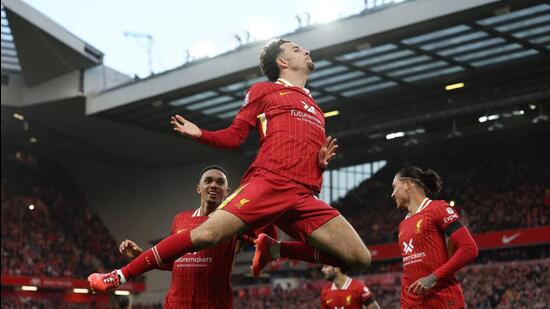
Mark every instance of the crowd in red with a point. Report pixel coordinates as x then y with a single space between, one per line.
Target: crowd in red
507 285
17 302
516 284
504 285
47 227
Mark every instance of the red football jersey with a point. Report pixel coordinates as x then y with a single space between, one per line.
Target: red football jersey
424 249
352 295
201 279
292 130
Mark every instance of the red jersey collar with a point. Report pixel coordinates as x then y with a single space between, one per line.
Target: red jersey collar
345 286
289 84
425 202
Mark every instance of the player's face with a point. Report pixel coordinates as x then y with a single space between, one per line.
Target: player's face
400 192
296 57
213 187
328 272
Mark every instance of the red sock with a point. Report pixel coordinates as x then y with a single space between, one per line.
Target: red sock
296 250
167 250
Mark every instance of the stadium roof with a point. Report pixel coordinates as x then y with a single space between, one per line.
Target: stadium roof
383 70
411 44
10 62
40 48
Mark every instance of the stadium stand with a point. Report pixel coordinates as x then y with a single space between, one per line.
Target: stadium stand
16 302
517 284
502 187
61 229
49 232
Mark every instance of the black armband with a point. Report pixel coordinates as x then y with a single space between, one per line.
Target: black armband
453 227
369 301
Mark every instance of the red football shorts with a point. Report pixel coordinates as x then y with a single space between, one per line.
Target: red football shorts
265 198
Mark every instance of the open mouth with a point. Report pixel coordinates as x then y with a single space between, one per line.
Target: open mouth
213 194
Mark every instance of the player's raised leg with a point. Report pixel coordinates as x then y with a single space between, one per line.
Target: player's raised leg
334 243
220 226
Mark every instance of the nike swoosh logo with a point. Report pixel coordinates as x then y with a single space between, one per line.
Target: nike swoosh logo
507 239
284 93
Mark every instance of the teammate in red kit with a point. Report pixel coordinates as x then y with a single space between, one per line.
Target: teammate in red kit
344 292
190 286
280 185
434 242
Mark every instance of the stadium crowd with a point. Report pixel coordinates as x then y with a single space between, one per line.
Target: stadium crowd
505 188
306 296
518 284
14 302
47 228
507 285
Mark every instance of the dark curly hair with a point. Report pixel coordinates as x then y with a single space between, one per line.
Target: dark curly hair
429 180
268 58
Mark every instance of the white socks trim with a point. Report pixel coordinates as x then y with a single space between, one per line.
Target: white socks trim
121 276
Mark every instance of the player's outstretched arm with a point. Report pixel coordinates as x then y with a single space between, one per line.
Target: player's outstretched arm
230 137
372 305
327 152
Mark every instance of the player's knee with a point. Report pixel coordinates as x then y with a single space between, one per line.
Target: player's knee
360 260
205 238
366 258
